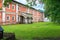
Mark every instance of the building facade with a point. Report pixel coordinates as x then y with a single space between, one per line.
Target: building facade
16 12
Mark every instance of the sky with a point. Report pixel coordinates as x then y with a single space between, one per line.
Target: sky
38 6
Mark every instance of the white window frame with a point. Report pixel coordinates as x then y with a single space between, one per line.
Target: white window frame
13 6
28 10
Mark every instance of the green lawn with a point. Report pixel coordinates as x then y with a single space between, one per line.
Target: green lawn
28 31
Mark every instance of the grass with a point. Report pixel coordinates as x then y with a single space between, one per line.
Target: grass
28 31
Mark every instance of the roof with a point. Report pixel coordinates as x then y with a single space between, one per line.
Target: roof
26 6
41 11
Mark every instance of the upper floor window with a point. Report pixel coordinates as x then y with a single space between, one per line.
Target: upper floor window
8 6
7 18
13 6
19 7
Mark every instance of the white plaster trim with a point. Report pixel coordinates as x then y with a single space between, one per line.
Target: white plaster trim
17 13
3 13
16 8
3 16
25 20
16 17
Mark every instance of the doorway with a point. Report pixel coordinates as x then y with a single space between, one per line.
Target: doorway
22 19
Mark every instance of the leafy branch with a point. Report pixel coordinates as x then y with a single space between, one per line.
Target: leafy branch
6 2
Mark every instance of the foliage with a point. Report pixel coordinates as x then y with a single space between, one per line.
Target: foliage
52 10
6 2
31 2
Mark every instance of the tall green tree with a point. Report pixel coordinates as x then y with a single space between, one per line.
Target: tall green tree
52 9
6 2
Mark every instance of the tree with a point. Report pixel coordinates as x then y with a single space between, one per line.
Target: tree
52 9
6 2
32 2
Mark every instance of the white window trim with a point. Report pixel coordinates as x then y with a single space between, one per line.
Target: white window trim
28 10
14 6
9 18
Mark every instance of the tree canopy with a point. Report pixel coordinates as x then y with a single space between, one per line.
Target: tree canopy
6 2
52 10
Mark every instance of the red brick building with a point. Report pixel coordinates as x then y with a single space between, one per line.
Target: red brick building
17 12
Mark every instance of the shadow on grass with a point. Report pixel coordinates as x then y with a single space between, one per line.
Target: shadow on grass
48 38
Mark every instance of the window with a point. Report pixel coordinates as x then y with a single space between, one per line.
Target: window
13 6
8 6
28 10
18 8
13 18
8 18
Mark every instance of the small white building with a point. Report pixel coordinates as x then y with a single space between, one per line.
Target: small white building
46 20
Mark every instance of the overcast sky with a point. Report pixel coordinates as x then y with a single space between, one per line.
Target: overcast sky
39 6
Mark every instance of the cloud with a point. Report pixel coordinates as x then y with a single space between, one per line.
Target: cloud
22 1
39 6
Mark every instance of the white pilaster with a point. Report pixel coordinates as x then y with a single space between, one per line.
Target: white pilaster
33 16
3 15
19 19
16 12
3 1
25 20
43 16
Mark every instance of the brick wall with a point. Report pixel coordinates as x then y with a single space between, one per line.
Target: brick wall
10 21
22 8
10 8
